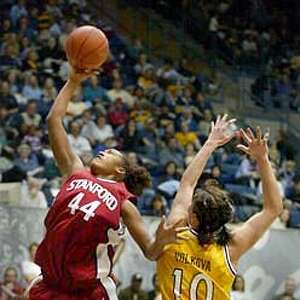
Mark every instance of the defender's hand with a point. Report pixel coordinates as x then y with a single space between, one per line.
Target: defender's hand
220 131
255 146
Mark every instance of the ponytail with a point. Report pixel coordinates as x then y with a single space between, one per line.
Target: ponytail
136 179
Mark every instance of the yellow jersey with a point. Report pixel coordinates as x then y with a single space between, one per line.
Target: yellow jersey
188 271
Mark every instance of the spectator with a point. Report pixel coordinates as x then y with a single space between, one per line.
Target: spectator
76 107
154 294
130 138
78 142
33 138
30 117
190 153
142 64
99 132
94 91
119 92
10 288
7 99
289 289
9 60
246 172
32 91
158 206
118 114
30 269
239 290
184 136
32 195
134 291
17 11
282 222
26 160
171 151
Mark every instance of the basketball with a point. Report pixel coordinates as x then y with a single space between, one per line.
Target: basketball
86 47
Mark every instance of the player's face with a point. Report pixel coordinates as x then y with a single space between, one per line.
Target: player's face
108 163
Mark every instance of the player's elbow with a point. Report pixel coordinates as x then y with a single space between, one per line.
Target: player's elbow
275 210
52 119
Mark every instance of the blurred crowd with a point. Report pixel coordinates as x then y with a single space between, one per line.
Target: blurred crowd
158 114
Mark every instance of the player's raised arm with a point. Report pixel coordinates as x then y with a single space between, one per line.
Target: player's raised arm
247 235
218 136
66 159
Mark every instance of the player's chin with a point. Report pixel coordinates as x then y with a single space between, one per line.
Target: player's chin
95 166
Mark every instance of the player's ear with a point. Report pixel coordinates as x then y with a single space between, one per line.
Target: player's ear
121 170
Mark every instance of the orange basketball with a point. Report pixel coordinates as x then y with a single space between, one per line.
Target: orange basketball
86 47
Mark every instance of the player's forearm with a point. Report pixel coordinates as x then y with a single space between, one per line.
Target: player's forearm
155 248
194 170
62 100
271 193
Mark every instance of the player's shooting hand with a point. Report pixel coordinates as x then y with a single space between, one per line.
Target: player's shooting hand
78 75
167 233
255 145
221 132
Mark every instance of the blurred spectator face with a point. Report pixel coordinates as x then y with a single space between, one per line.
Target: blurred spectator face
285 216
10 51
118 84
94 81
12 77
143 58
87 115
207 115
157 203
239 284
190 149
31 108
131 126
25 42
6 24
52 43
187 92
200 97
151 124
24 151
297 187
136 283
172 144
290 286
10 276
216 172
75 129
4 88
3 112
33 81
23 23
132 158
32 250
49 83
171 168
184 128
32 55
101 121
285 297
170 128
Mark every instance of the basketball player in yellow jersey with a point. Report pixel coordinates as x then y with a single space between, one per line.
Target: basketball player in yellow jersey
201 265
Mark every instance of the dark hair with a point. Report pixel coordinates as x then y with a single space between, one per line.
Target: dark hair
136 178
213 209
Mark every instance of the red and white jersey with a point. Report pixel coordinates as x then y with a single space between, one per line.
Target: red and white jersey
82 228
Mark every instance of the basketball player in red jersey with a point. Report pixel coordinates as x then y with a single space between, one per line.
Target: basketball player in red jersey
83 225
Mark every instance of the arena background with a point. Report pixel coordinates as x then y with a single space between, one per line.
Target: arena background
247 65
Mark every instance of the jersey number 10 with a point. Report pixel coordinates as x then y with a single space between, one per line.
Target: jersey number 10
178 274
